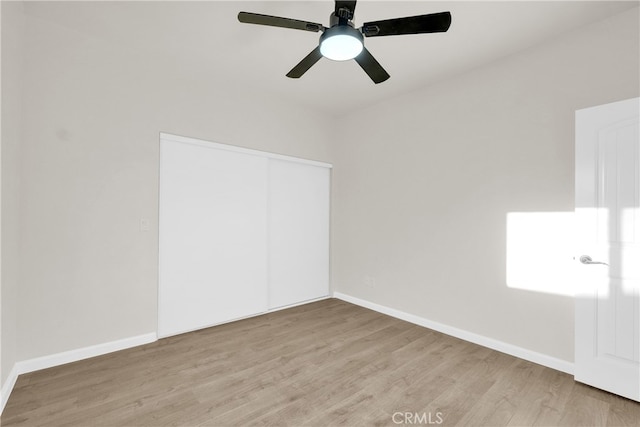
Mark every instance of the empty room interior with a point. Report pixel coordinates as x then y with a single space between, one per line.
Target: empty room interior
320 213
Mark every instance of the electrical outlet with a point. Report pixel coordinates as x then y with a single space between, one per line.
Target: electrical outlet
369 282
145 224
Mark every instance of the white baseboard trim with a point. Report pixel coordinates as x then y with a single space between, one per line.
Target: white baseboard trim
309 301
7 387
513 350
57 359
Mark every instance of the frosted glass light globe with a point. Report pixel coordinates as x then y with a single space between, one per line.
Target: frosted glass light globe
341 47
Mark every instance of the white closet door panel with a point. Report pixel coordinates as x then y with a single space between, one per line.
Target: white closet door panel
213 229
298 232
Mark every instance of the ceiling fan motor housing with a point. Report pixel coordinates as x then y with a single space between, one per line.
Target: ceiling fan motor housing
344 17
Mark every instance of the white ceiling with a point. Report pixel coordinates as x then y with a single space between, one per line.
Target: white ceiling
207 39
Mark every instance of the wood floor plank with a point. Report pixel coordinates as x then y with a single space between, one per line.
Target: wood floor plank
328 363
549 397
623 412
584 410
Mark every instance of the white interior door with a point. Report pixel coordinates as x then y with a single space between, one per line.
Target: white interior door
213 233
298 232
607 316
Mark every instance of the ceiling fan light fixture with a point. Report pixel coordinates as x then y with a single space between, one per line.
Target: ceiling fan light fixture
341 43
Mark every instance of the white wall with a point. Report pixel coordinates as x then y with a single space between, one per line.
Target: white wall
423 183
12 38
90 172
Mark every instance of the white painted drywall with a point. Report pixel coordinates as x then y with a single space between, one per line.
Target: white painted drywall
12 53
423 184
93 112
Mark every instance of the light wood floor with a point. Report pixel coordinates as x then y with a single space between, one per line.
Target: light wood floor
326 363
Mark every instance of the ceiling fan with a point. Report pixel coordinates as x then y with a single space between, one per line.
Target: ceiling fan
342 41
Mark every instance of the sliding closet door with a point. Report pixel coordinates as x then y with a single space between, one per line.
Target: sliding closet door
213 234
298 232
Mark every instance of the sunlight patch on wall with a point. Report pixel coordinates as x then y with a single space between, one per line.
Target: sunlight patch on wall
540 252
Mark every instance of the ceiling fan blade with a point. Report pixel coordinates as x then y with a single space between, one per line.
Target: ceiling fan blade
304 65
432 23
275 21
350 5
371 66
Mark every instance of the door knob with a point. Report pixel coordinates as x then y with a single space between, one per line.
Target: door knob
586 259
